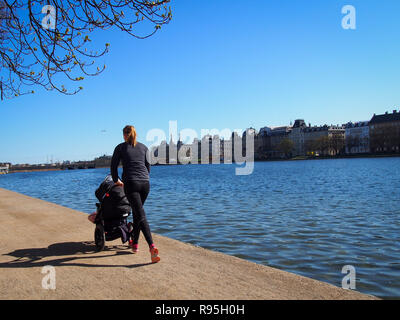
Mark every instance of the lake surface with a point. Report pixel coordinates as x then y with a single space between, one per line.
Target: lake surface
306 217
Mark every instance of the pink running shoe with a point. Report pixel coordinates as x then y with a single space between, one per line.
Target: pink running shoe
135 247
92 217
154 255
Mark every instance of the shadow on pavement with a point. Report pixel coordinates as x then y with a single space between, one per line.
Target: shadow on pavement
71 251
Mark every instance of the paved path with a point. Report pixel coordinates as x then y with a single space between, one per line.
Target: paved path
36 233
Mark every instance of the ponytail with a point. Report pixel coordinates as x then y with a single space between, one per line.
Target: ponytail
130 132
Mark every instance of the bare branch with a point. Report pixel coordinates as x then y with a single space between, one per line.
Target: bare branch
47 43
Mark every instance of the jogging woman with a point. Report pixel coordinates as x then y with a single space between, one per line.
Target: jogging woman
136 183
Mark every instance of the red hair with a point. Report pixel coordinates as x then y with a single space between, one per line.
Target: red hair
130 132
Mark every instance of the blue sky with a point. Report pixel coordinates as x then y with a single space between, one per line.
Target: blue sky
219 64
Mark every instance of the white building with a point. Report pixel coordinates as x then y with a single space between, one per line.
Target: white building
4 168
357 137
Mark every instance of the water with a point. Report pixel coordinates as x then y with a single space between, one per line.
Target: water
306 217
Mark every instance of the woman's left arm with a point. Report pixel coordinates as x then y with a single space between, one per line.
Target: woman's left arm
146 160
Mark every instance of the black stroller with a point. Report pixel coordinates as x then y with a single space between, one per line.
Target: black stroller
112 213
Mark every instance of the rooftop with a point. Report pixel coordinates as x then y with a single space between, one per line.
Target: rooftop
357 124
387 117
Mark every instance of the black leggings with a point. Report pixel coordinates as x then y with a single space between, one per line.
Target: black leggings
137 192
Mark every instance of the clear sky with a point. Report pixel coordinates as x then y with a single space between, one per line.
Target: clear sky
219 64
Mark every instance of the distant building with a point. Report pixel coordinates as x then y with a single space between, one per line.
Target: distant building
172 154
380 134
276 136
159 154
103 161
226 148
357 137
196 151
185 153
246 150
384 132
263 143
4 167
296 135
324 140
206 149
235 138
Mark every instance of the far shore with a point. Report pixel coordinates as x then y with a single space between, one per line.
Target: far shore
34 170
299 158
43 170
355 156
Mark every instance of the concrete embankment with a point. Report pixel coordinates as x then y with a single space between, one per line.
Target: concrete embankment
36 233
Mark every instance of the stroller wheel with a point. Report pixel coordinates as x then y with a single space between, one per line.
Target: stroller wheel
99 237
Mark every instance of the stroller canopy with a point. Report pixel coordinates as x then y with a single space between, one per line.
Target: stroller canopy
114 203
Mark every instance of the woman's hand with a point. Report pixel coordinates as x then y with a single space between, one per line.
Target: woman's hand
119 183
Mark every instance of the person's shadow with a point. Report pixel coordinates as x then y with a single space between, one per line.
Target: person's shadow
64 254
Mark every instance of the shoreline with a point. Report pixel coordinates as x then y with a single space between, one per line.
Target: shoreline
358 156
63 238
34 170
299 158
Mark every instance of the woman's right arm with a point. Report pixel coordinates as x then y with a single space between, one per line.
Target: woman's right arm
115 160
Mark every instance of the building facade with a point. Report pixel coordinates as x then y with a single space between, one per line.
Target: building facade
277 136
324 140
380 134
357 137
4 167
384 133
296 135
263 145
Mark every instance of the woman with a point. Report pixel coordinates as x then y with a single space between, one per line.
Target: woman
136 183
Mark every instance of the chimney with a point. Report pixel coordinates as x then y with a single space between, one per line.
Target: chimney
386 112
394 111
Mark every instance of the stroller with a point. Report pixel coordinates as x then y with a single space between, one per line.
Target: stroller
111 215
